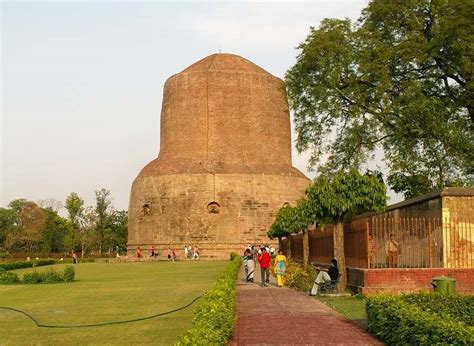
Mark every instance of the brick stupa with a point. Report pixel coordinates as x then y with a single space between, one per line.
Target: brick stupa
224 166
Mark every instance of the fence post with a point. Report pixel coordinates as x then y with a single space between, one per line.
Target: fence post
367 241
430 246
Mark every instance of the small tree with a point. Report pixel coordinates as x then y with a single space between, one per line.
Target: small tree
340 196
103 212
54 231
280 228
75 208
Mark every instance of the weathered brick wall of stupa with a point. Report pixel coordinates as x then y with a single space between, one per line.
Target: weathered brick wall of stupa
224 167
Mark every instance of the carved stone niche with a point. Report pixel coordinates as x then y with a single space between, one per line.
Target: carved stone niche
146 209
213 208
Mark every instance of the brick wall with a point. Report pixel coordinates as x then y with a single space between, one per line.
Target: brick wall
397 281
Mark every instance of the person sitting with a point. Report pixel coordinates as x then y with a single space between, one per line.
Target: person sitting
325 276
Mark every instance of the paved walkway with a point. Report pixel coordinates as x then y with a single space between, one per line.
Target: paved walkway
283 316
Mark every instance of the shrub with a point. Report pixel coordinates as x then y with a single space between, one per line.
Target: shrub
299 277
9 278
214 319
69 274
4 254
460 308
396 321
32 278
51 276
26 264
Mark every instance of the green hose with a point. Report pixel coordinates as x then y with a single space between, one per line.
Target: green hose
39 324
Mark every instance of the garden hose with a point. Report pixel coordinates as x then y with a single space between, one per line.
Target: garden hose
38 324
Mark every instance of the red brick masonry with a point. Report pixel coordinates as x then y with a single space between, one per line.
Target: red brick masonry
406 280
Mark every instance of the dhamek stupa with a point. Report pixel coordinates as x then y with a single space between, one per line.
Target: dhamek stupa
224 166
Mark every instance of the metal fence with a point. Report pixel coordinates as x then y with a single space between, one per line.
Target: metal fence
321 245
381 242
384 242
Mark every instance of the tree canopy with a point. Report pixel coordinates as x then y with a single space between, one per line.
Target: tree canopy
344 194
399 80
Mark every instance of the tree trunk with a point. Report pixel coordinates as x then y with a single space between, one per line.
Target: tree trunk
289 245
305 248
279 243
338 238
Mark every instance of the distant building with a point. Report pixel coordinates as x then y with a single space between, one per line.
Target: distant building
224 166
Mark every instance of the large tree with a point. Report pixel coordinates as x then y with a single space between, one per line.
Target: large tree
337 197
400 80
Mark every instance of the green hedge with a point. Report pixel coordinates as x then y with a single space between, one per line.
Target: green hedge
396 321
9 278
298 276
460 308
214 318
48 277
26 264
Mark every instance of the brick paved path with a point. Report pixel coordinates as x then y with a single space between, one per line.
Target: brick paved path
282 316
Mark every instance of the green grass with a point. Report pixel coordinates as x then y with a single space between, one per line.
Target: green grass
105 292
353 308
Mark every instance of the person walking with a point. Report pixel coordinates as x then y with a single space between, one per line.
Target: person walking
280 268
139 252
264 261
186 250
391 250
249 265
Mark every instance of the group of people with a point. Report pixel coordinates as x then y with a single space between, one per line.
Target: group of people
263 255
191 252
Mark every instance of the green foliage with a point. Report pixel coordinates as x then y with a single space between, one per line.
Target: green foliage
69 274
26 264
400 80
288 220
4 253
119 230
49 276
9 278
214 318
460 308
32 278
396 321
54 231
344 194
299 277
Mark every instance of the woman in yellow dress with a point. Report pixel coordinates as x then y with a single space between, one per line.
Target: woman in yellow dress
280 267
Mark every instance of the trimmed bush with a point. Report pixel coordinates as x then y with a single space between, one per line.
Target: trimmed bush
460 308
50 276
9 278
299 277
69 274
32 278
26 264
398 322
214 318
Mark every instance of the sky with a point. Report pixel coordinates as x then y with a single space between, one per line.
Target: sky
82 82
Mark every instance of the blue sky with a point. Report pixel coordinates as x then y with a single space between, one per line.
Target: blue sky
82 81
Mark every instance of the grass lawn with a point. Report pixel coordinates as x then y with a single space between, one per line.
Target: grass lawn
105 292
353 308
